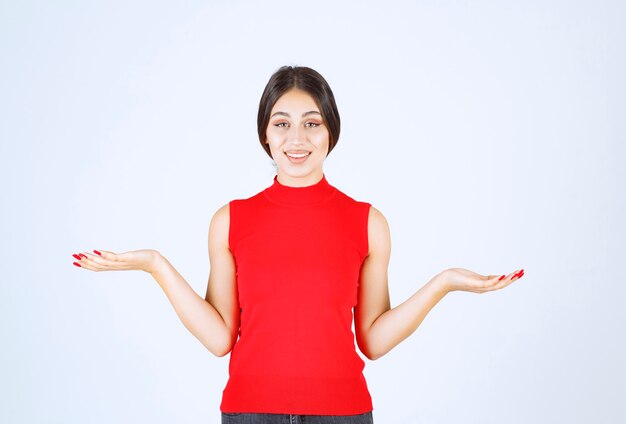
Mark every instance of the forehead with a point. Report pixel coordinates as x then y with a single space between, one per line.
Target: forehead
295 99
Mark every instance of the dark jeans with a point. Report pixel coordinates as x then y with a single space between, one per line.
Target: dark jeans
257 418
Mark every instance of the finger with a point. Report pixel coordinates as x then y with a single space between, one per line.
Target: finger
107 254
94 262
497 281
514 276
80 260
85 260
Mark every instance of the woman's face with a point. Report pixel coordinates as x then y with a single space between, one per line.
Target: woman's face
296 127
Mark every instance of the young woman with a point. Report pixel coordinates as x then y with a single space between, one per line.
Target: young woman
288 266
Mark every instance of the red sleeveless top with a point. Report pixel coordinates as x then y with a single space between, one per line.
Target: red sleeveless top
298 254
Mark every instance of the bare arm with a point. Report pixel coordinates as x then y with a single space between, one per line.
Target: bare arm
379 328
213 320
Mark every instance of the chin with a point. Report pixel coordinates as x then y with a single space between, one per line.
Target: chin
303 169
297 173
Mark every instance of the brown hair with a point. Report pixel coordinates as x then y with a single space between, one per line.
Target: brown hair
306 79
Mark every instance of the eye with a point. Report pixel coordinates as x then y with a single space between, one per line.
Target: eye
312 124
281 124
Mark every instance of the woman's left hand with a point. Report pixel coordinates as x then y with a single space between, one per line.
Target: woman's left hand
465 280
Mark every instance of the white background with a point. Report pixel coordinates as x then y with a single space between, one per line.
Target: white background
490 135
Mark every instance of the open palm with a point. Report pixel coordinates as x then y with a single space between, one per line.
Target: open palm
140 260
465 280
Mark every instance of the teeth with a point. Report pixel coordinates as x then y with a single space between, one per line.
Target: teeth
298 155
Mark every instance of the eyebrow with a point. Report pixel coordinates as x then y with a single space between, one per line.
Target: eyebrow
287 115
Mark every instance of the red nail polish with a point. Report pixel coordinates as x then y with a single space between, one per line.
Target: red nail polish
76 256
97 253
84 256
500 279
77 264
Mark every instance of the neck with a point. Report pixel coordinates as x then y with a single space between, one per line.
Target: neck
306 195
303 181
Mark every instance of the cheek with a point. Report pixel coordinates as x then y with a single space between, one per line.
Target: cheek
273 143
274 135
322 138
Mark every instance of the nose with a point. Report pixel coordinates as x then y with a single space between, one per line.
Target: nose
296 136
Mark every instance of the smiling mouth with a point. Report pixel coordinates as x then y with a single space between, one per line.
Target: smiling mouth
297 155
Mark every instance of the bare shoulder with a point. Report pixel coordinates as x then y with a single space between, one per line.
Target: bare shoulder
379 236
376 216
223 213
219 226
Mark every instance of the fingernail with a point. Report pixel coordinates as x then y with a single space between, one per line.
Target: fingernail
97 253
76 256
83 255
499 279
77 264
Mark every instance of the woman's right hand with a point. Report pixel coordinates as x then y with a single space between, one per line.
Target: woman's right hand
140 260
